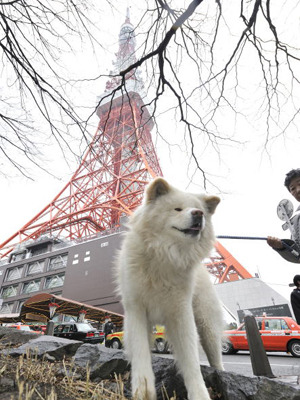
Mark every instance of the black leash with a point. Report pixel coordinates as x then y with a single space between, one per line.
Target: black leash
293 251
241 237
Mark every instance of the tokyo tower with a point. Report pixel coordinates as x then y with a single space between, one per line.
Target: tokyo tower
112 175
118 164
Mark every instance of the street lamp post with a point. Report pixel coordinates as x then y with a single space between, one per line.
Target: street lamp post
50 324
81 315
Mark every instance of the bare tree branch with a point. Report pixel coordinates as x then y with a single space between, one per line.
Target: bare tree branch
199 63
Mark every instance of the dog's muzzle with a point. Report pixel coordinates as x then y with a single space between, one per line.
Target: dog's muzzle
196 226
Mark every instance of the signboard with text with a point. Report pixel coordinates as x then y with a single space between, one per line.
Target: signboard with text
277 310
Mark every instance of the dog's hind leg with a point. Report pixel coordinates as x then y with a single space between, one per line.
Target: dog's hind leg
182 334
209 320
136 340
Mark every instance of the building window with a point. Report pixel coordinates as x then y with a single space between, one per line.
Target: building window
58 262
6 308
35 251
18 256
36 267
19 306
14 273
54 281
9 291
32 286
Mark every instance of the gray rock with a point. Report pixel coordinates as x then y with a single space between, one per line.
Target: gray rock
53 346
237 387
95 355
224 385
103 362
110 368
167 379
11 336
108 354
229 386
88 355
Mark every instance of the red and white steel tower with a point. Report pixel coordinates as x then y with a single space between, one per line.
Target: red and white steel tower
118 164
112 175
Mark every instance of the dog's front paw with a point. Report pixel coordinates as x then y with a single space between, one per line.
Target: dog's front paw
144 394
143 390
220 367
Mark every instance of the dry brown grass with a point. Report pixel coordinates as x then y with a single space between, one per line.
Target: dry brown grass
29 378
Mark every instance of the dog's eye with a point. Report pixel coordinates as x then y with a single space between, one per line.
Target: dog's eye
178 209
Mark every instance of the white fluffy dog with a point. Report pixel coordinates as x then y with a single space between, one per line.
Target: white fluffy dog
162 281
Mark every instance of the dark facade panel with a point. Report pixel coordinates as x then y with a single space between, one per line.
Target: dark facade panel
89 273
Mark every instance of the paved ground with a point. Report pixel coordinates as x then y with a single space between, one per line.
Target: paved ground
284 366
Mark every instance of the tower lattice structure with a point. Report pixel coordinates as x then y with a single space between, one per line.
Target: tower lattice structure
224 266
112 175
110 180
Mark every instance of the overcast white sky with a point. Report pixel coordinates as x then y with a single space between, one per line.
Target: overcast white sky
250 183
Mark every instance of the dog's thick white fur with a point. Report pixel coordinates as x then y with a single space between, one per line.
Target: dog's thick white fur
162 281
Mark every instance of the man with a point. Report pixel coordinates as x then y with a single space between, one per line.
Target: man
292 183
108 326
295 298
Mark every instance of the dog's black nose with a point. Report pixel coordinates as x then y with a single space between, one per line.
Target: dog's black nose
197 216
197 212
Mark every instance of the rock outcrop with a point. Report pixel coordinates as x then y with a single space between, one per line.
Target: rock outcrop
104 363
55 347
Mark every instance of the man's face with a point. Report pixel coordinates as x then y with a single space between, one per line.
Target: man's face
295 188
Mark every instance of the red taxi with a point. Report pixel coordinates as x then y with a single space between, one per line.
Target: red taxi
23 327
277 334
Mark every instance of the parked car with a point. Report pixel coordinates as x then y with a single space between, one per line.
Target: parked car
79 331
277 333
159 342
114 340
37 328
23 327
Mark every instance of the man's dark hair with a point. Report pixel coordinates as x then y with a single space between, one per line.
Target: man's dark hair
296 279
294 173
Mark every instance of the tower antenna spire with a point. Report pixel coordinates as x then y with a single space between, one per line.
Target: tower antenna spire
127 20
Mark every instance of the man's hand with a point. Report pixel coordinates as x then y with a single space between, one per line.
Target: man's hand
275 243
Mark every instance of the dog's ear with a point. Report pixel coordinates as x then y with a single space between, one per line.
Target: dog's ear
211 203
158 187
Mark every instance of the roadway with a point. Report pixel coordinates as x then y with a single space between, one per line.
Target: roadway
282 364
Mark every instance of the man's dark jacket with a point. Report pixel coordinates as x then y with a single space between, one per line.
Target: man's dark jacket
108 328
295 301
